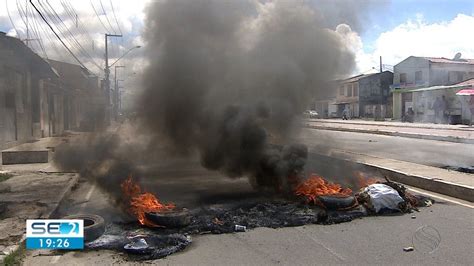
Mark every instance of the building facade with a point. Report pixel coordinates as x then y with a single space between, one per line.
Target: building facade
422 72
21 75
365 95
375 98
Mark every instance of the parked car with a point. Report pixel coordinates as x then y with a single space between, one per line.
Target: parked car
311 114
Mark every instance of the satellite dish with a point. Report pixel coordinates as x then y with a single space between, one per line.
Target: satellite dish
457 57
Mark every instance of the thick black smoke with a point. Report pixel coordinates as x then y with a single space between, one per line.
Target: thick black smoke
227 79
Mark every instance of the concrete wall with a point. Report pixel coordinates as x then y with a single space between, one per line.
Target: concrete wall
433 73
409 67
447 73
397 105
15 105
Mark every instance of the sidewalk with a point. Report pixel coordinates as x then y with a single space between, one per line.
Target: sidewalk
31 191
446 182
451 133
29 195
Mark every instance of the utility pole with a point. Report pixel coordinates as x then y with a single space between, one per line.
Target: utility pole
27 26
380 64
116 94
107 74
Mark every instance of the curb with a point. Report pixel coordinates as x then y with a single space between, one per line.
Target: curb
74 181
439 186
456 190
396 134
409 125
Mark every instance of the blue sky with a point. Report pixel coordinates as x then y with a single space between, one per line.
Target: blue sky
393 29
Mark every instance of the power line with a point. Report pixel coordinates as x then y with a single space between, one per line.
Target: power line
115 17
106 17
73 14
97 14
59 38
36 32
75 42
11 20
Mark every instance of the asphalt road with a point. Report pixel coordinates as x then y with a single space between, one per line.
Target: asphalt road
370 240
426 152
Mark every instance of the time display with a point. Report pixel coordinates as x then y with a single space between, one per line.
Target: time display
55 243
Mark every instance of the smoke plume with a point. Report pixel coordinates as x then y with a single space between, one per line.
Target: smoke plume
226 80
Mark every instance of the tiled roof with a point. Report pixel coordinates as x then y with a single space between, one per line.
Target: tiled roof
450 61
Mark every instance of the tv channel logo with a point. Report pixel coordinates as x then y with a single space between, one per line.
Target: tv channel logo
54 234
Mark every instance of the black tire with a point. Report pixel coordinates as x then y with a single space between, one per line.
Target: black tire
172 219
337 203
94 225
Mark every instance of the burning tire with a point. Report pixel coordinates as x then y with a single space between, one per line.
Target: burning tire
337 203
171 219
94 225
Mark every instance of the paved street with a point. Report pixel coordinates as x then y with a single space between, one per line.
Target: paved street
371 240
427 152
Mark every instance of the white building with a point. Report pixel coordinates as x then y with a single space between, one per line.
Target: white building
415 72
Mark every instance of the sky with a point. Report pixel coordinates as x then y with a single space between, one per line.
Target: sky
392 29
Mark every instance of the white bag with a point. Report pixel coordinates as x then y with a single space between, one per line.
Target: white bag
383 197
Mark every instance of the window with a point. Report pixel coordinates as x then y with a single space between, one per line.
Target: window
349 90
355 89
341 90
418 76
403 78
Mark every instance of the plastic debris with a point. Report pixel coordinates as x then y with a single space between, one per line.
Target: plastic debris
240 228
408 249
136 244
383 197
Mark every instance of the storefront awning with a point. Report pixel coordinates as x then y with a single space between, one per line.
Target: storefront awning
465 92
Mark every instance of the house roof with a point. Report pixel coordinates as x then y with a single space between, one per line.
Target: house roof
72 75
37 64
469 83
361 76
450 61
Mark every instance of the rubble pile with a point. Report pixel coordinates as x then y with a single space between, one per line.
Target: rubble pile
167 231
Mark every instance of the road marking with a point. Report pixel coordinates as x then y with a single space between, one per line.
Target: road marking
89 194
334 253
442 198
55 259
88 197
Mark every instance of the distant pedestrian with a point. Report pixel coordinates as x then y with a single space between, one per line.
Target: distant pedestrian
345 113
409 116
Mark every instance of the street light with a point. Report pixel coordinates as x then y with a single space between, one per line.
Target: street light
128 51
107 72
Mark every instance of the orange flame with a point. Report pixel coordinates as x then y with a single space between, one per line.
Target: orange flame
141 203
363 180
316 186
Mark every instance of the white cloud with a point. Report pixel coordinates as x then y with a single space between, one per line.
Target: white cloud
419 38
130 16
